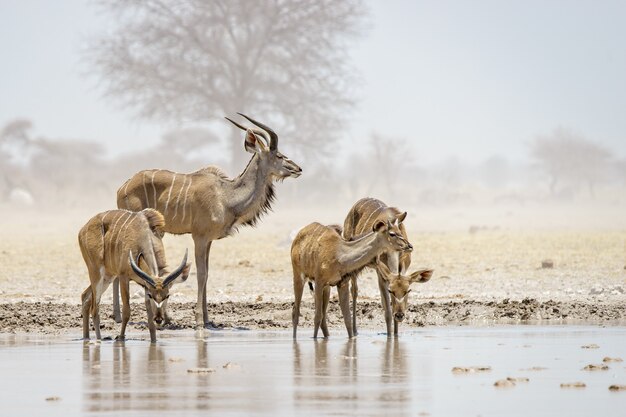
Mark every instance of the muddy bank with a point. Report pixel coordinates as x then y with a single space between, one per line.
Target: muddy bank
55 318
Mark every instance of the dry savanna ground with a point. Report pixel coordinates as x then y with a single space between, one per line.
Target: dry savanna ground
482 275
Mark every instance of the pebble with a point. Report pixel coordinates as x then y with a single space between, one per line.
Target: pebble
200 370
592 367
607 359
573 385
518 379
504 383
547 264
53 399
470 370
591 346
231 365
596 291
617 388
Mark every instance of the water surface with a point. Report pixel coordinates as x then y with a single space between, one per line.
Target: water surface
270 374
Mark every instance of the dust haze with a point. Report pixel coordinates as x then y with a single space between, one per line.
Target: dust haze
298 70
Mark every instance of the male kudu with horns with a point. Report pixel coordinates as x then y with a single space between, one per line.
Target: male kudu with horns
207 203
114 244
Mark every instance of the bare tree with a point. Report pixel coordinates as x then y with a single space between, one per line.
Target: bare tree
567 158
15 145
382 168
68 172
280 60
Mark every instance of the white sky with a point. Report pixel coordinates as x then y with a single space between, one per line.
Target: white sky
469 79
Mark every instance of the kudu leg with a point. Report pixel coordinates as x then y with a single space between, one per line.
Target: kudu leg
298 289
354 289
319 308
325 300
124 284
151 323
116 300
95 312
202 247
86 308
344 303
385 301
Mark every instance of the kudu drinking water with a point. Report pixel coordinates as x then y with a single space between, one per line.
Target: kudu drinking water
127 245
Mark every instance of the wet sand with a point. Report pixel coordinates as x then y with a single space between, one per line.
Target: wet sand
266 373
55 318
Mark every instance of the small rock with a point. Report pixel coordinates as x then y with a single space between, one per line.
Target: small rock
53 399
245 263
200 370
547 264
231 365
470 370
573 385
591 346
596 290
259 298
592 367
617 388
607 359
504 383
518 379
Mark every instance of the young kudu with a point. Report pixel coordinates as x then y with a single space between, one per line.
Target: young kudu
209 205
362 216
320 254
399 290
113 243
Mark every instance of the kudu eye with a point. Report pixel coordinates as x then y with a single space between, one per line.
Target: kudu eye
392 234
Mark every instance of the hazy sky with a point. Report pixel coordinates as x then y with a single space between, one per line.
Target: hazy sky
470 79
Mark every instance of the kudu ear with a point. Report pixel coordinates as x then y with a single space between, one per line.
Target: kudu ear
423 275
253 143
400 217
379 226
384 269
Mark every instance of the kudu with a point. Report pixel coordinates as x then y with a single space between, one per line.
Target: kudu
320 254
399 290
365 213
209 205
127 245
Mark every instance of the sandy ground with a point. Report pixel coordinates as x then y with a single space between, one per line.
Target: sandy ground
482 275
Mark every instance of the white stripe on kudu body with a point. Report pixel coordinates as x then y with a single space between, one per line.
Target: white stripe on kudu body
169 193
179 194
154 190
185 201
145 190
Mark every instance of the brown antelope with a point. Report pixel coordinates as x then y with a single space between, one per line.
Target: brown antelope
321 255
365 213
127 245
208 204
399 290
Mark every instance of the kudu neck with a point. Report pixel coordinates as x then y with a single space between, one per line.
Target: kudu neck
357 253
249 191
